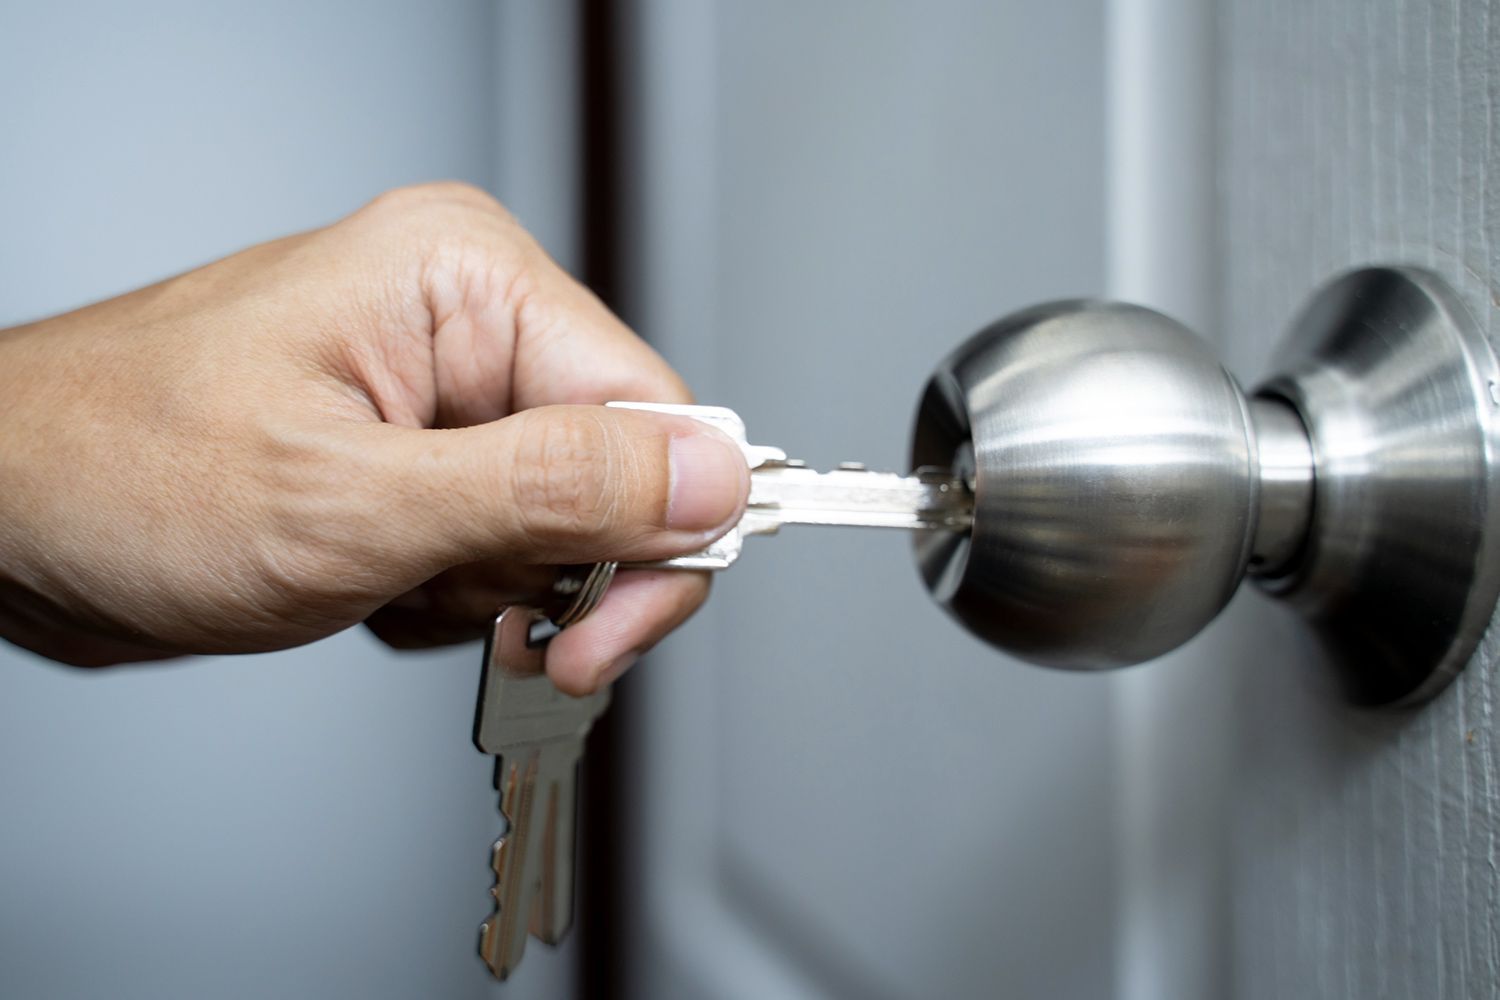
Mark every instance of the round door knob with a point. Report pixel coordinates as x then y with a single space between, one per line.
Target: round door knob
1124 485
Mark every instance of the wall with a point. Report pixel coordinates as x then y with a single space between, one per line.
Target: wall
1364 845
307 824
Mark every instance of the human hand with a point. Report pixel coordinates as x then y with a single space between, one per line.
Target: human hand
390 420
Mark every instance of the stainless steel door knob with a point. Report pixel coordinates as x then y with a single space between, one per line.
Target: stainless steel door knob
1124 485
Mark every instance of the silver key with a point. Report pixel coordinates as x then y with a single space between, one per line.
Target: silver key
537 734
786 491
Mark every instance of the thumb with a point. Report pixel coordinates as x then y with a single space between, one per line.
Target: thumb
563 484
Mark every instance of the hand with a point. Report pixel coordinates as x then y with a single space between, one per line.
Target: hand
391 420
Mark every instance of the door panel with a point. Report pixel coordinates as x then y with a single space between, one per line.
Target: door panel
843 794
1364 846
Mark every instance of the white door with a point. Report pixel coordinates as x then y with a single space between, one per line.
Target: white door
839 793
842 794
1364 846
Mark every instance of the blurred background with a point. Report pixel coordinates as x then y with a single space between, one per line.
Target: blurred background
821 787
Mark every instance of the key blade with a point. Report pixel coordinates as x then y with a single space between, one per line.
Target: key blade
552 911
785 491
537 733
533 861
790 493
502 938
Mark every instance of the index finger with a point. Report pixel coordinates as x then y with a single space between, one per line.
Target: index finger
570 348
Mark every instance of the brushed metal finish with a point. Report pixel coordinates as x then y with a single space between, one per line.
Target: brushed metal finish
1123 485
1114 484
1286 485
785 491
1397 389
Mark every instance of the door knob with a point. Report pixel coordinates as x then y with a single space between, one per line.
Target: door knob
1124 485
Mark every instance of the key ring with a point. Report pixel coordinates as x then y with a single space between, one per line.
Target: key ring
586 586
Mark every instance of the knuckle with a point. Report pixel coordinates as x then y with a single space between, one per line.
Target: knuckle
433 196
471 251
441 215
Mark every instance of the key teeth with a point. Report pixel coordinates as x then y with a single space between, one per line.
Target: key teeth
503 957
530 802
537 735
497 962
501 962
502 940
501 952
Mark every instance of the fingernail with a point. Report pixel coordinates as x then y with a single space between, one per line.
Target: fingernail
618 666
708 481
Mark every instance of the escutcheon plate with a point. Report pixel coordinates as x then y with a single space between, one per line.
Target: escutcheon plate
1397 388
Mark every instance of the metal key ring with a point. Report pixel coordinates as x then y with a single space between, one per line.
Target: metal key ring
588 590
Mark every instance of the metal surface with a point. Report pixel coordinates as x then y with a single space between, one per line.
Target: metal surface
852 496
785 491
585 586
1398 392
1286 485
1114 484
1123 485
537 733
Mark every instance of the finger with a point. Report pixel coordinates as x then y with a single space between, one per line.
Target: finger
512 330
477 321
571 349
556 484
458 605
641 607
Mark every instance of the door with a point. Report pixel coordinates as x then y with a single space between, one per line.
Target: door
1363 845
838 793
841 793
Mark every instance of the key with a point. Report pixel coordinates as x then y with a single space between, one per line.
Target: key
785 491
537 734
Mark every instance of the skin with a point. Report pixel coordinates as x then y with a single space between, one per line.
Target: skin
392 420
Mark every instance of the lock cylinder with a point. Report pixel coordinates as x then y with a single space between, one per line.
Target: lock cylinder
1114 484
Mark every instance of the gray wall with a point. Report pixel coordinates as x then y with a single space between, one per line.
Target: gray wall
307 824
1365 845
